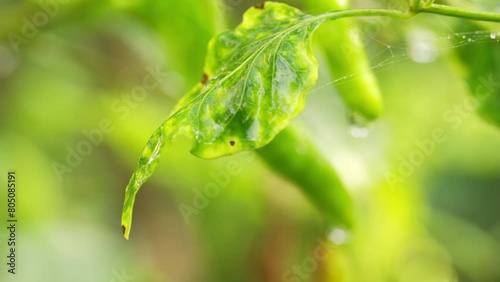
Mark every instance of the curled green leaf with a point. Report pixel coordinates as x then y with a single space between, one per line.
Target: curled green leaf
256 79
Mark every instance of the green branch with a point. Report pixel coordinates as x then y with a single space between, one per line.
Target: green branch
460 13
334 15
421 8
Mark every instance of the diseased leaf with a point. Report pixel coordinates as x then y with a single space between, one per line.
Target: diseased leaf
257 77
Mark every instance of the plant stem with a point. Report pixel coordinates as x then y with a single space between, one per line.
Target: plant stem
460 13
431 9
364 13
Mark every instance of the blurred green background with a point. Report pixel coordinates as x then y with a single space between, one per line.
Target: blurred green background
68 68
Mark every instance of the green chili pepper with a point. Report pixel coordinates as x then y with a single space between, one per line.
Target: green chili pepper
295 157
344 50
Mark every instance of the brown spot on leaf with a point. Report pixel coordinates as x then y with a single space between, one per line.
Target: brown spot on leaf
232 142
259 6
123 229
204 79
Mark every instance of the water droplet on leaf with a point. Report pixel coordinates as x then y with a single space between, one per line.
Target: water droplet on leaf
339 236
359 126
359 132
197 134
422 47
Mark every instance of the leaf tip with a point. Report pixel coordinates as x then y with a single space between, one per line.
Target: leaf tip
125 232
